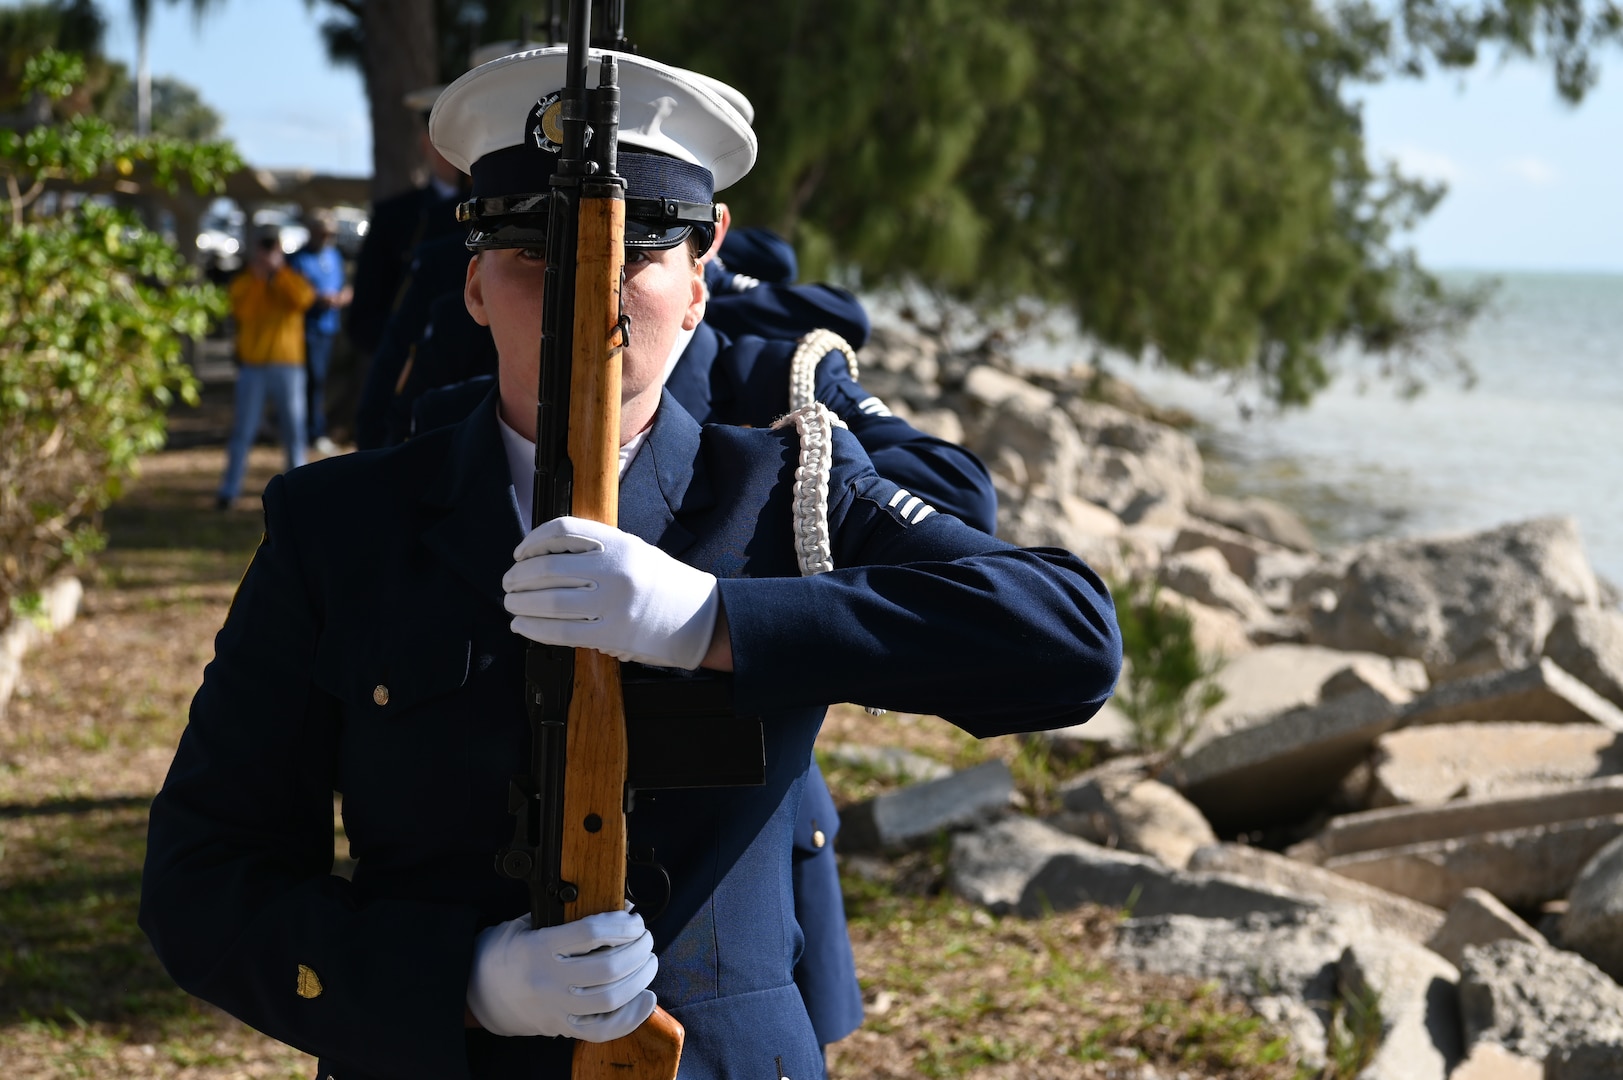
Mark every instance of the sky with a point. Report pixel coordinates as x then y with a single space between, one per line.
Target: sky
1534 184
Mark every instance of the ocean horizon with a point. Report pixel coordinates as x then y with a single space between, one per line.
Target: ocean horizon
1540 432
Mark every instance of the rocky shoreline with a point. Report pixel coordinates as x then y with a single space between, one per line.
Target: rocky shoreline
1415 768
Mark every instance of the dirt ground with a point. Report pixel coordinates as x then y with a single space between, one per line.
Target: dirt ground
950 991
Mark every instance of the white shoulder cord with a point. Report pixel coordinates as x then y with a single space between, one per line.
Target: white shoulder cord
803 365
815 424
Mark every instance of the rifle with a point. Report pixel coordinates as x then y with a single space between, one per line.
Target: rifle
569 843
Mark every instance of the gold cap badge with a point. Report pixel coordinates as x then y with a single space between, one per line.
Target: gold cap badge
309 983
380 694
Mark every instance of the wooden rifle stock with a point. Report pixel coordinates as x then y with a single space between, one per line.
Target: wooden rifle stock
592 845
593 852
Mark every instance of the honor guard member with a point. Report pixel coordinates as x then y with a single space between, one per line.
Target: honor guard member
370 650
748 381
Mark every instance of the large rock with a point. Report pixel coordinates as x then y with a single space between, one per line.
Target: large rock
1529 999
1490 1061
1523 867
1540 693
1277 678
1588 642
1031 447
1129 457
1387 912
1204 575
1285 767
1023 866
901 364
1397 826
1259 517
1241 551
915 814
1583 1056
1216 632
1478 918
1285 966
1133 813
1420 1021
1430 765
1461 605
1108 733
1593 923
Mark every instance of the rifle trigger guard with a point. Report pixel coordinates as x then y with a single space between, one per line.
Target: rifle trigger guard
644 856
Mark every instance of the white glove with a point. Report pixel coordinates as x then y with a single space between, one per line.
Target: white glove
588 585
586 979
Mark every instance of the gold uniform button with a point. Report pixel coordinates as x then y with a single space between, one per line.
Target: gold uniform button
818 839
380 694
309 983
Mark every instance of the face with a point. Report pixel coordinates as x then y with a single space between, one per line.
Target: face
663 294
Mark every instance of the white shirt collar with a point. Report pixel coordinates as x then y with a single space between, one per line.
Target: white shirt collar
521 451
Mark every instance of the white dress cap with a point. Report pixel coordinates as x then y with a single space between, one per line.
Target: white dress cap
662 109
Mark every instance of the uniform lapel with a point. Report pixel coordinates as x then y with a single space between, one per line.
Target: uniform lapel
474 524
662 485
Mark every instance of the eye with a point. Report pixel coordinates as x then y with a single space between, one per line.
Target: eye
532 254
636 256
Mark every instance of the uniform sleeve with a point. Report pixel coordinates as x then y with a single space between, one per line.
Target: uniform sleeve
944 474
238 897
924 614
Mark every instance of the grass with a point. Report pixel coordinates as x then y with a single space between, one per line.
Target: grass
951 991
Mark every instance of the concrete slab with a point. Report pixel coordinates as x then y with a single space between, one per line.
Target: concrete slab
1478 918
1523 867
1387 912
1025 867
1398 826
915 814
1285 767
1539 694
1425 766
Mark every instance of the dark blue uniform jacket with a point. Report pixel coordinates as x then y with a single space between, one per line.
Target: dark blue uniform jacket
745 381
383 570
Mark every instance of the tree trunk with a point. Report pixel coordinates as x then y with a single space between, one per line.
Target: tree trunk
399 55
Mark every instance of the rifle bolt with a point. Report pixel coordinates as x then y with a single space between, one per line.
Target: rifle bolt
568 893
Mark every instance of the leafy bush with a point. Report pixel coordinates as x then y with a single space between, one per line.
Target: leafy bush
94 310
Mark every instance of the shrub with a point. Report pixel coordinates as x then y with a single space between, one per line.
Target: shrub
94 310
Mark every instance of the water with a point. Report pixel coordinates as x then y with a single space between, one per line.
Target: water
1540 433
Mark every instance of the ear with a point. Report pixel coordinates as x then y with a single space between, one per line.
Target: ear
695 310
724 221
473 292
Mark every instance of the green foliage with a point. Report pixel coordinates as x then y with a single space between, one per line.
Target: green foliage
94 312
1188 178
1166 683
1356 1029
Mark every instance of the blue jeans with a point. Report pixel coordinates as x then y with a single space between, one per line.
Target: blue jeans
317 359
285 385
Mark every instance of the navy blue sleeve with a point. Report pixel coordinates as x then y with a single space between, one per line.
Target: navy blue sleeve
760 253
237 893
789 311
925 614
944 474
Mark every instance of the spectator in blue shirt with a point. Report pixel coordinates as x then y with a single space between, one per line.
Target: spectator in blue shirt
322 265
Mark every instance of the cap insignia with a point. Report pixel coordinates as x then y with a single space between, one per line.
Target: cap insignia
546 129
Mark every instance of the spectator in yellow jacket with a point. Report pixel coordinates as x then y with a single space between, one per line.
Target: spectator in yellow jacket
268 299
